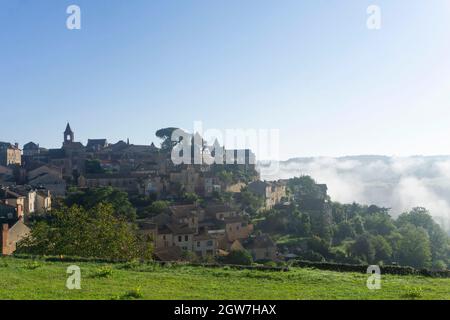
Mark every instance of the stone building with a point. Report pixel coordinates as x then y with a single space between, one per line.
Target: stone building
10 154
271 191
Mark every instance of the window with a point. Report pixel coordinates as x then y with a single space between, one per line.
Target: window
186 238
198 243
209 243
180 239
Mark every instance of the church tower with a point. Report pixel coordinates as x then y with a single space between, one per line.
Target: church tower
68 135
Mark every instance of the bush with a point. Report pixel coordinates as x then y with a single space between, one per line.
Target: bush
440 265
135 293
413 293
103 272
31 265
241 257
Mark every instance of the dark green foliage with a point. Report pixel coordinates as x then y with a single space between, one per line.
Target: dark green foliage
166 135
320 246
90 198
414 247
359 233
250 202
363 248
75 231
239 257
157 207
344 230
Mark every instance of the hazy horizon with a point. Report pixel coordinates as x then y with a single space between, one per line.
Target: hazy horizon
311 69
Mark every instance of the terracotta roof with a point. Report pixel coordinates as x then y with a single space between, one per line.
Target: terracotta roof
180 229
203 236
183 210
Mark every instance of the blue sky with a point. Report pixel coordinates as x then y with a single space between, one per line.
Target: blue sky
309 68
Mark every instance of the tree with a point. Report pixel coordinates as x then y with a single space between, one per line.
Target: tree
439 240
225 176
383 250
191 197
358 224
343 231
154 209
97 232
379 223
250 201
239 257
414 248
90 198
363 248
319 245
166 135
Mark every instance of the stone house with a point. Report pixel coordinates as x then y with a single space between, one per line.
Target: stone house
21 197
9 213
237 228
10 154
261 247
182 236
13 200
10 235
188 178
50 181
43 201
130 183
271 191
27 199
205 245
220 211
189 215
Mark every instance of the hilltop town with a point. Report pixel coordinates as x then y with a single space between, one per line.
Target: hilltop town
194 218
126 201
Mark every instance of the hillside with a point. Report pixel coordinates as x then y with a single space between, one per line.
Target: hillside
400 183
26 279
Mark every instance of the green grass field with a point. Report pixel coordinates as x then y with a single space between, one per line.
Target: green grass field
26 279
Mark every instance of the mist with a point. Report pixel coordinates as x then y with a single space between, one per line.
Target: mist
399 183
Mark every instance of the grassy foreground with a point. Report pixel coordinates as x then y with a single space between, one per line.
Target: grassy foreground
27 279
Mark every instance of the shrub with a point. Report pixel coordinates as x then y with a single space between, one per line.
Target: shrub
240 257
135 293
103 272
32 265
413 293
440 265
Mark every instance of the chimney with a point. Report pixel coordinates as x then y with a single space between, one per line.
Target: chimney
4 238
20 212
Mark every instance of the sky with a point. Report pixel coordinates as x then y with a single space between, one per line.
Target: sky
311 69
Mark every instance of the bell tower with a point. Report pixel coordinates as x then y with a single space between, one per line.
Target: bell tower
68 135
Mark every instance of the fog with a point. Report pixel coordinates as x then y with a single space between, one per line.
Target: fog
400 183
